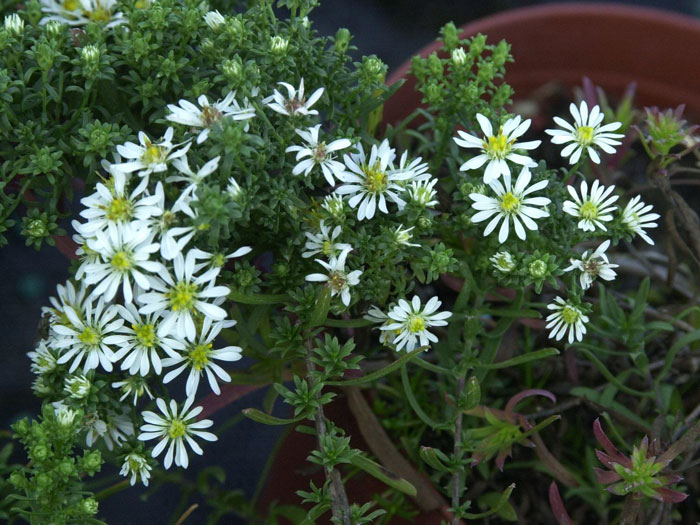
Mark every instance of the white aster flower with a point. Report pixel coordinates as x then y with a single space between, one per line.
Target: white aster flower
182 297
173 239
174 427
113 430
43 359
139 343
81 12
636 218
324 242
216 261
136 466
375 315
592 265
417 168
497 148
334 205
294 103
412 322
77 386
111 204
233 189
14 24
511 204
503 262
338 279
369 182
566 316
68 295
124 253
207 115
403 235
148 157
423 193
199 355
318 153
134 385
85 336
585 133
213 19
591 210
182 165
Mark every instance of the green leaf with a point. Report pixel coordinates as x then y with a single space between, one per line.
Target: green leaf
267 419
381 372
525 358
493 510
610 377
492 500
510 312
433 458
385 476
349 323
323 304
676 347
410 396
260 298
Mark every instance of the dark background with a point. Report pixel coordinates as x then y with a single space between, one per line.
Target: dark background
391 29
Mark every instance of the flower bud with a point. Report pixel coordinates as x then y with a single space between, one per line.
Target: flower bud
278 45
14 24
459 57
214 19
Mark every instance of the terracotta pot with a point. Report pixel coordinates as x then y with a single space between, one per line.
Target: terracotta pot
612 45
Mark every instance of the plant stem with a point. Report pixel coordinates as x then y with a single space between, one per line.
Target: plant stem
457 451
630 511
340 506
685 442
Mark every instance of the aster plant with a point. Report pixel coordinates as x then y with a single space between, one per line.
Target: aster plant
246 222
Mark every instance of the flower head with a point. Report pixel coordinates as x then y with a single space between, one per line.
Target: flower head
497 148
174 427
503 262
511 204
134 385
82 12
338 279
136 466
593 264
411 321
324 242
207 115
14 24
294 103
77 386
585 133
591 210
148 157
213 19
317 153
566 316
636 217
422 193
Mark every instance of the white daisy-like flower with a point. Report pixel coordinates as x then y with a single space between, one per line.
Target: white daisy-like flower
216 261
111 204
566 316
369 182
43 359
593 264
503 262
636 217
338 279
114 429
81 12
182 297
148 157
423 193
591 210
173 239
294 103
139 344
207 115
324 242
403 235
68 295
175 427
136 466
124 253
77 386
85 336
233 189
511 204
182 165
133 386
213 19
412 321
334 205
417 167
585 133
497 148
199 355
318 153
375 315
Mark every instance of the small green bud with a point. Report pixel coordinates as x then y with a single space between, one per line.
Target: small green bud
214 20
425 222
342 41
235 28
435 65
18 479
537 269
373 69
278 45
90 55
433 94
43 480
21 427
54 29
39 453
450 36
233 69
89 506
477 45
92 461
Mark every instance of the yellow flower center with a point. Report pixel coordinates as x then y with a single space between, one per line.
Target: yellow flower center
498 146
327 248
199 356
182 296
337 281
588 210
570 315
320 153
375 179
584 135
99 15
118 210
70 5
153 154
218 260
142 4
416 324
510 203
145 334
89 336
210 115
121 261
177 429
